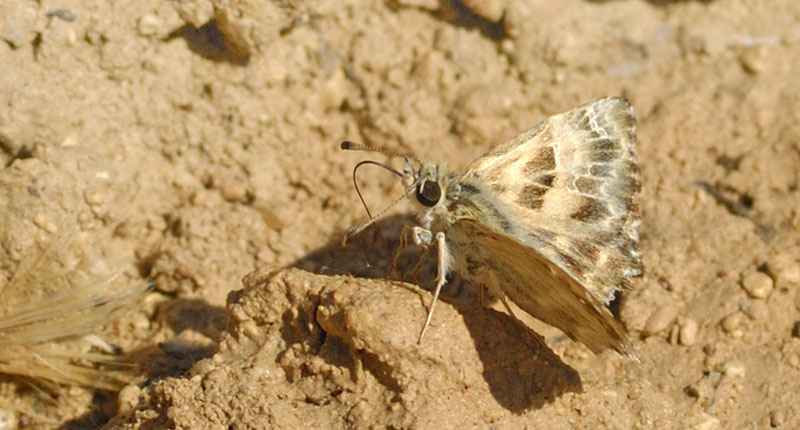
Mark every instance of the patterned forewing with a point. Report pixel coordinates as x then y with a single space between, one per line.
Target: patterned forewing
572 181
539 287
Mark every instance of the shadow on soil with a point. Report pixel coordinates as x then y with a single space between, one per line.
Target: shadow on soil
521 371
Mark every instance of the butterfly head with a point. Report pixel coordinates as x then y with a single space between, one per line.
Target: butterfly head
423 182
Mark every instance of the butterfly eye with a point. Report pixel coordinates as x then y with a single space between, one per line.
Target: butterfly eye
429 193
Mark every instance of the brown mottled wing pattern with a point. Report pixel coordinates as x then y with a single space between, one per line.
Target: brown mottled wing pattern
540 288
572 182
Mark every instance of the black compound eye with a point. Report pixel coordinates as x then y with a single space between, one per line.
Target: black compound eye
429 193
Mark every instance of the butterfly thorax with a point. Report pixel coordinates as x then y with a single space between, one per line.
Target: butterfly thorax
442 198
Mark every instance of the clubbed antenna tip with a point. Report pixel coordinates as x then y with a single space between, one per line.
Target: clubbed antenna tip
348 144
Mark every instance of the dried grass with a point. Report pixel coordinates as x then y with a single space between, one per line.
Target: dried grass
53 299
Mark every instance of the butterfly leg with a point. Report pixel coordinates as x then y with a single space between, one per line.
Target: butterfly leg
399 252
421 236
482 300
425 251
508 307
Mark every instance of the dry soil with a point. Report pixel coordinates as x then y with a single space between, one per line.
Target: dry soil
199 140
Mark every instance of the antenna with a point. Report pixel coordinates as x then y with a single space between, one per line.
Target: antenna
352 146
349 145
356 229
355 182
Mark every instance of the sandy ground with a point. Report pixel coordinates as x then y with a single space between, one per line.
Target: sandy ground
199 142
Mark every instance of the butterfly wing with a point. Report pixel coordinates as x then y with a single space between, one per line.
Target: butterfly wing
536 285
572 182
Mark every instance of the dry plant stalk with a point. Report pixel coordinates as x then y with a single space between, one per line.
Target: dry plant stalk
51 300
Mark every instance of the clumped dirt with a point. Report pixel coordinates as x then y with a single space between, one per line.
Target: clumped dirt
216 125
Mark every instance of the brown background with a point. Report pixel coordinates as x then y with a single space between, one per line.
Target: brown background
216 125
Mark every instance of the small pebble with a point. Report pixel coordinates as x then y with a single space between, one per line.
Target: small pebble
71 37
507 46
707 422
334 92
148 25
94 196
45 224
251 329
492 10
753 60
732 368
758 285
659 320
128 398
233 190
238 314
141 324
62 13
157 223
785 269
732 323
635 393
195 12
776 418
688 333
85 217
271 218
794 361
674 333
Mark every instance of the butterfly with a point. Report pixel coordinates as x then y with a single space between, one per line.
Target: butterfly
547 220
